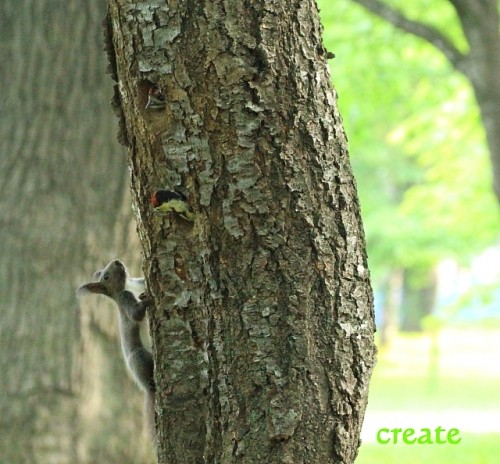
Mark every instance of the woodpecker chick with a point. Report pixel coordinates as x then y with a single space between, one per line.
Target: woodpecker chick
166 201
156 100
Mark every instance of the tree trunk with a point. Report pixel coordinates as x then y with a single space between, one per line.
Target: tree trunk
419 299
63 182
480 23
263 321
392 306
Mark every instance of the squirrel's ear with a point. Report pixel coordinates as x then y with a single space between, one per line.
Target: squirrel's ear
92 287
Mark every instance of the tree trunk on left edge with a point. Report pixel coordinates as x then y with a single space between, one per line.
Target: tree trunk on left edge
64 212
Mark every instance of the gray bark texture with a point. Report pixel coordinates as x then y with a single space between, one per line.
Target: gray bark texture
65 210
263 323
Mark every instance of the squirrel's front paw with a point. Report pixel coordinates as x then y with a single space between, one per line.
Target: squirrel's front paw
145 299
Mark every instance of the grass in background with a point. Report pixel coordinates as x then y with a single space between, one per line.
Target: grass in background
451 377
473 449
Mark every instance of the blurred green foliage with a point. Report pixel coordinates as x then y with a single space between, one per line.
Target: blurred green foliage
416 140
421 163
464 392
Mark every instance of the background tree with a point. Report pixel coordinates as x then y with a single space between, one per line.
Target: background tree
65 211
480 63
263 326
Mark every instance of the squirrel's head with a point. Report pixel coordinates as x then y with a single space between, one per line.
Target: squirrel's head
110 281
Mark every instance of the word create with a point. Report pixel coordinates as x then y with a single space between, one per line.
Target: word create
425 436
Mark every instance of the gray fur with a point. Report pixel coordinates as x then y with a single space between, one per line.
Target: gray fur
114 282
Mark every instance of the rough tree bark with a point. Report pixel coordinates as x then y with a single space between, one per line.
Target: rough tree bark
63 183
481 64
263 323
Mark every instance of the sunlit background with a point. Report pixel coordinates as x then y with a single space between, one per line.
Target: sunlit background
421 163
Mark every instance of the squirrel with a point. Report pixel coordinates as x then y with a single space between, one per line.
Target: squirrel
114 282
